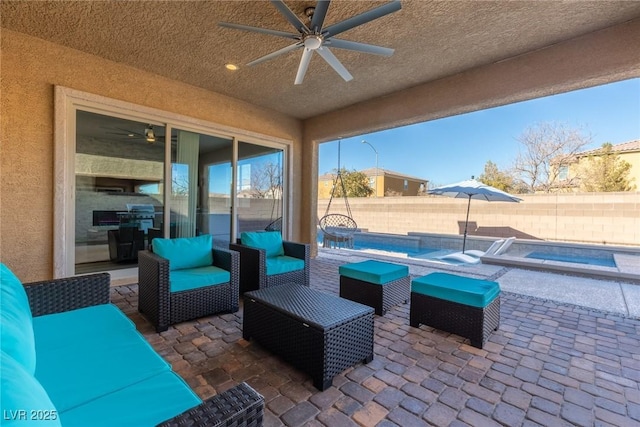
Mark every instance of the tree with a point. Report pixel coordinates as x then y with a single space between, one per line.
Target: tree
494 177
605 171
547 148
266 181
356 184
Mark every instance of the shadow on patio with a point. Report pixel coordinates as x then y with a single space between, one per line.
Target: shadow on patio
548 364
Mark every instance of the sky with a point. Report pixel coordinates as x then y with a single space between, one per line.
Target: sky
453 149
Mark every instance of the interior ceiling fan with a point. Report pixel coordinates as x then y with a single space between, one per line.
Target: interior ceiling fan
149 134
316 38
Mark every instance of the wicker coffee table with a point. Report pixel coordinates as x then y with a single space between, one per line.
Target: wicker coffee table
318 333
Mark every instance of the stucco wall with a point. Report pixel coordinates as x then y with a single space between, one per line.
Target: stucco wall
30 70
602 218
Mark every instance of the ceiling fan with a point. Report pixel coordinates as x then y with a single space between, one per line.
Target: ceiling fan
149 134
316 38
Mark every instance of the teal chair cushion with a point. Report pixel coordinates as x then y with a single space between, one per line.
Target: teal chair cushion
146 403
375 272
283 264
77 367
24 401
16 331
185 252
458 289
193 278
270 241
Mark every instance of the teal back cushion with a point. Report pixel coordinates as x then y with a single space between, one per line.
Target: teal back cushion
15 317
270 241
185 252
24 401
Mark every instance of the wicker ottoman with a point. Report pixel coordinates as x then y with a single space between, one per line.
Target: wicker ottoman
461 305
318 333
380 285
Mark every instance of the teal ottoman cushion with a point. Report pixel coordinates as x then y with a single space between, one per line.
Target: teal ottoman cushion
376 272
193 278
458 289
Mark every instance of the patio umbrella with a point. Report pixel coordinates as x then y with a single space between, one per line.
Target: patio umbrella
473 189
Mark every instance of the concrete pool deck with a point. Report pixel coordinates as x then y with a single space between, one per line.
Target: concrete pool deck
607 295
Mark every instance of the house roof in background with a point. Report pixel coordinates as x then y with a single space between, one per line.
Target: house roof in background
372 172
624 147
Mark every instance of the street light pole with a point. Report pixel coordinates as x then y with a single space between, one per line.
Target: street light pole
375 151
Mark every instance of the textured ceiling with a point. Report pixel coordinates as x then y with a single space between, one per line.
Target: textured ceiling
432 39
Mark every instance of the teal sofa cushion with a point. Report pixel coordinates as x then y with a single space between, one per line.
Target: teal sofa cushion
185 252
24 401
270 241
60 330
458 289
16 333
375 272
193 278
283 264
76 369
146 403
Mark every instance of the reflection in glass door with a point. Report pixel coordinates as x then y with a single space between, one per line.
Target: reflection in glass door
259 187
119 190
216 208
201 199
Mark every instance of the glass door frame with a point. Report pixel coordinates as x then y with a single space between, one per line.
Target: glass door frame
67 101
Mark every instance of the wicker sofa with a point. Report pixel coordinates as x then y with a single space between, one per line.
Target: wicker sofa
266 260
93 367
185 278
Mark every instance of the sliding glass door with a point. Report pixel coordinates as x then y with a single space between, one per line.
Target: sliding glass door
134 184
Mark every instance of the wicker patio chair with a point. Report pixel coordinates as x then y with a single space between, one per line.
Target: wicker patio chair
162 307
253 263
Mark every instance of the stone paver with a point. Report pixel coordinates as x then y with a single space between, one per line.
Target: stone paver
550 363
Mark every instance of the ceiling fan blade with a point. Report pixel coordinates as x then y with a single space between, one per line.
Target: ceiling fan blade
331 59
304 64
291 17
274 54
319 14
259 30
363 18
359 47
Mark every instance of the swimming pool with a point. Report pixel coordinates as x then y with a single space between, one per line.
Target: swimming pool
395 245
606 260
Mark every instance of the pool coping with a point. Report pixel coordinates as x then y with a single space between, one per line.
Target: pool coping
563 267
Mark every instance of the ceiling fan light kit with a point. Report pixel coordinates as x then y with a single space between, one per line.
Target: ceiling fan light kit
316 38
149 135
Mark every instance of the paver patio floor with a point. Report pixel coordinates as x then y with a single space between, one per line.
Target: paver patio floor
549 364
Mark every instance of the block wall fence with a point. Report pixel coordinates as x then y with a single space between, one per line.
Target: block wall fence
599 218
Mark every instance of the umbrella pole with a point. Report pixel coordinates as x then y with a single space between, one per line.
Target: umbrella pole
466 223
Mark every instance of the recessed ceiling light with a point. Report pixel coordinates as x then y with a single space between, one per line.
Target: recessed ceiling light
230 66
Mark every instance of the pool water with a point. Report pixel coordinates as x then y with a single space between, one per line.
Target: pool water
607 261
406 251
427 253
